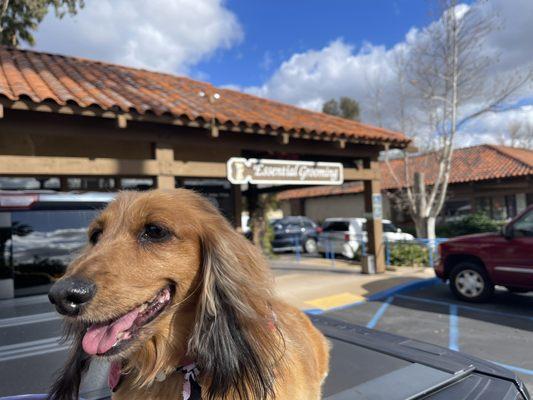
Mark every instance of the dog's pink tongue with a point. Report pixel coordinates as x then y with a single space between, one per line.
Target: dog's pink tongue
99 339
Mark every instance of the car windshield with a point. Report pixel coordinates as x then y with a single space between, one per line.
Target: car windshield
389 227
336 226
524 226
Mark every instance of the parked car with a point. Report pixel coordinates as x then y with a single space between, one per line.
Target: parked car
391 233
295 233
346 235
473 264
369 364
40 232
365 363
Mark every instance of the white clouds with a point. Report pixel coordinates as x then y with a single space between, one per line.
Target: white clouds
339 69
163 35
494 128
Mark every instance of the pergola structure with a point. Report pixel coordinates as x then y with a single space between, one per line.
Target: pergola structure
69 117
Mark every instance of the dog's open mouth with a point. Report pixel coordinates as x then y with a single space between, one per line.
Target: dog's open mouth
112 337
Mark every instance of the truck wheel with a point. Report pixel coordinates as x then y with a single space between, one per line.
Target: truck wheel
310 246
470 282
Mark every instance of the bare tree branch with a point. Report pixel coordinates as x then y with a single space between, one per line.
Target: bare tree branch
3 10
447 69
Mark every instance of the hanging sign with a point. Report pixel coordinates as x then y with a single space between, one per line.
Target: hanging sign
283 172
377 206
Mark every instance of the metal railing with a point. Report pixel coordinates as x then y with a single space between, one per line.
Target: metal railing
428 245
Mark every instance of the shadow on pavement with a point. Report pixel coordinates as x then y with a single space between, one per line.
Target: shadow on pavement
297 268
376 286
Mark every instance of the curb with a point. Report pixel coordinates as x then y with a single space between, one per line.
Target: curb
402 288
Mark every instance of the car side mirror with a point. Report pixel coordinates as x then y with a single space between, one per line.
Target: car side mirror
507 231
398 230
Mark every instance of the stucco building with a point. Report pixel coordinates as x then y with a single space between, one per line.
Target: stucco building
495 180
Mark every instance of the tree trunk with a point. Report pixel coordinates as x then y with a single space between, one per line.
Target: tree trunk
430 226
425 227
421 227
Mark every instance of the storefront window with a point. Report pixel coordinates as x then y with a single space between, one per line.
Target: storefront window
456 209
91 183
137 183
218 191
499 208
510 206
483 206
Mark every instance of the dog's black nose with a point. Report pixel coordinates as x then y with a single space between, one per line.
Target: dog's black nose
68 295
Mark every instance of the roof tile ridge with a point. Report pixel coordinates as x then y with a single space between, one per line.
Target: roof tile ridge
503 150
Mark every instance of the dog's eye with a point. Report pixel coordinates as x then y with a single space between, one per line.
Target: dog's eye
95 235
154 233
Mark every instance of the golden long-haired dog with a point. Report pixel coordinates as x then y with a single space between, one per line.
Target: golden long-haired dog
165 282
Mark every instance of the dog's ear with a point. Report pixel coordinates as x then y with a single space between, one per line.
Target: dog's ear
67 384
234 341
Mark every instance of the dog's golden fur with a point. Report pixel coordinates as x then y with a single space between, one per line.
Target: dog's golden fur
247 343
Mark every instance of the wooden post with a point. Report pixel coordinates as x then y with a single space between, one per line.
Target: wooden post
237 205
375 245
63 184
164 155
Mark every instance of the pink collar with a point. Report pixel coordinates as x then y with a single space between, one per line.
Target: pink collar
190 375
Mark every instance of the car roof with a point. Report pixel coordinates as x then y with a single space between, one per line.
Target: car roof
294 218
385 221
344 219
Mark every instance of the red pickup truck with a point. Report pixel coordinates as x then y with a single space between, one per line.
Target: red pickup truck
473 264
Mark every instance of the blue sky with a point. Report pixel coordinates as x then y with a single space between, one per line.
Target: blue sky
276 29
302 52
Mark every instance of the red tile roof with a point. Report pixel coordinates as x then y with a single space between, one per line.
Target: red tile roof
471 164
42 77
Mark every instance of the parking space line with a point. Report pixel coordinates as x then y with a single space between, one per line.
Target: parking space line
453 341
464 307
335 301
379 313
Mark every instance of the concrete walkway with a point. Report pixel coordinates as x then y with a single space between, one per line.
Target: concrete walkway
314 283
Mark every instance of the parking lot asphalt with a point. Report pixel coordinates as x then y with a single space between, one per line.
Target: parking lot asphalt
500 330
314 283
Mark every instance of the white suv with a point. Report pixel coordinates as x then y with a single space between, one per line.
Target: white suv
345 235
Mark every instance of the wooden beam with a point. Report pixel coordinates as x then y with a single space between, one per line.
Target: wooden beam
283 138
81 166
374 220
122 122
164 156
192 169
213 129
74 126
165 119
365 174
162 164
340 144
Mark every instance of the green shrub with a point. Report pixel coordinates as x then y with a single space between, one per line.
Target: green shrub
474 223
408 254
